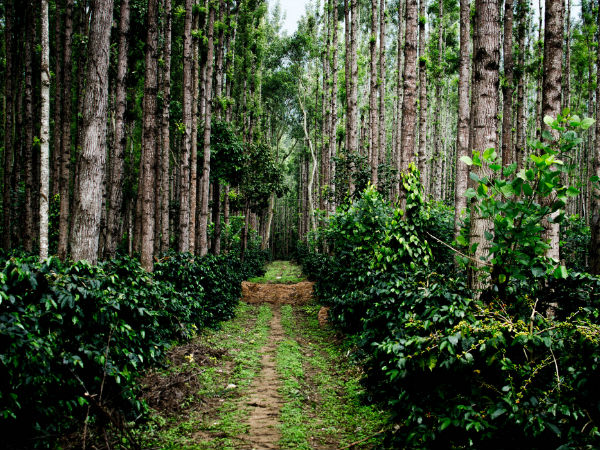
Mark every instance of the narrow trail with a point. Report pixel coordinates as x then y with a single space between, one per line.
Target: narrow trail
273 378
265 401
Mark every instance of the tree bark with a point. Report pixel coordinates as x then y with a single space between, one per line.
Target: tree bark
521 121
508 88
86 220
551 91
198 108
184 195
45 132
423 93
409 101
205 181
486 61
65 150
8 152
117 156
149 137
165 134
333 125
462 134
352 104
594 210
373 116
29 231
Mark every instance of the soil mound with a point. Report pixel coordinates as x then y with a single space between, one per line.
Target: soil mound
278 294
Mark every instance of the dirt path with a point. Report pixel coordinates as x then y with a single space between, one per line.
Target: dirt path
265 402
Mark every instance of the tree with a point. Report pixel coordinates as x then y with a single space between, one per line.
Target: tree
486 60
373 116
551 90
422 91
149 137
508 87
409 102
45 132
462 133
184 194
205 180
117 150
88 194
595 194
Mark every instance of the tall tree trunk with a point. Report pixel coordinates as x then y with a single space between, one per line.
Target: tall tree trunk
462 133
486 61
409 102
521 121
422 92
149 137
184 196
439 107
117 151
205 181
86 220
8 152
397 150
65 150
551 98
508 87
326 112
381 141
373 116
539 66
198 107
29 230
352 104
45 131
594 211
165 134
57 135
566 98
333 125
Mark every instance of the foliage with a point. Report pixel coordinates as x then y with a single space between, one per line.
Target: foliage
517 204
76 336
575 242
457 372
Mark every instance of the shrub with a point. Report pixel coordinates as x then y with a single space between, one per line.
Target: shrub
74 337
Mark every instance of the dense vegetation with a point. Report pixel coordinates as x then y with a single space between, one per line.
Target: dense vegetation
75 337
513 367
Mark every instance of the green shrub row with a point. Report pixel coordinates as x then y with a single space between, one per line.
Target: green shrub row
457 372
74 337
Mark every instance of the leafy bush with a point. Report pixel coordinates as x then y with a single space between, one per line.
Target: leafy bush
73 338
455 371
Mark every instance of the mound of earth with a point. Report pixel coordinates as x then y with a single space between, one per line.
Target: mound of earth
278 294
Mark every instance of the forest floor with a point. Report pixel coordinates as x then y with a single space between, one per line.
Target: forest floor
272 378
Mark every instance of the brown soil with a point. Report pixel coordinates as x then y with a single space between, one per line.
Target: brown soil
265 402
278 294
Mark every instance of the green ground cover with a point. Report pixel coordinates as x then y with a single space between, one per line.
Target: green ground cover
284 272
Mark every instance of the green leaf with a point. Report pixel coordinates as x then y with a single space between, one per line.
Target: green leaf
490 154
572 192
560 272
586 123
538 271
469 193
548 120
489 236
502 278
527 190
468 161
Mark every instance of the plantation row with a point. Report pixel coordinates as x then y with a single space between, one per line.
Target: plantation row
516 368
74 337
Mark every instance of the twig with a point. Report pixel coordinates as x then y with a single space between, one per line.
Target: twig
362 440
532 317
458 251
556 366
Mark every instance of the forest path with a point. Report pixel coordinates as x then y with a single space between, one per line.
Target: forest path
271 378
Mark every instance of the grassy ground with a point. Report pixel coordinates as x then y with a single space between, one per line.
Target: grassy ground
280 272
322 407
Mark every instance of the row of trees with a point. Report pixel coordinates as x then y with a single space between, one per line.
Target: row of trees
430 82
109 122
167 115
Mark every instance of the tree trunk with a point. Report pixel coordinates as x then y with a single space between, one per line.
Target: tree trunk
409 101
594 211
65 150
29 231
198 107
521 121
462 134
566 98
373 116
117 156
149 137
422 93
45 132
57 135
486 60
184 183
438 157
8 152
86 220
352 104
165 134
333 125
205 181
551 89
508 87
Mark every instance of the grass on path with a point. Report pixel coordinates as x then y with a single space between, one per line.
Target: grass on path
284 272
